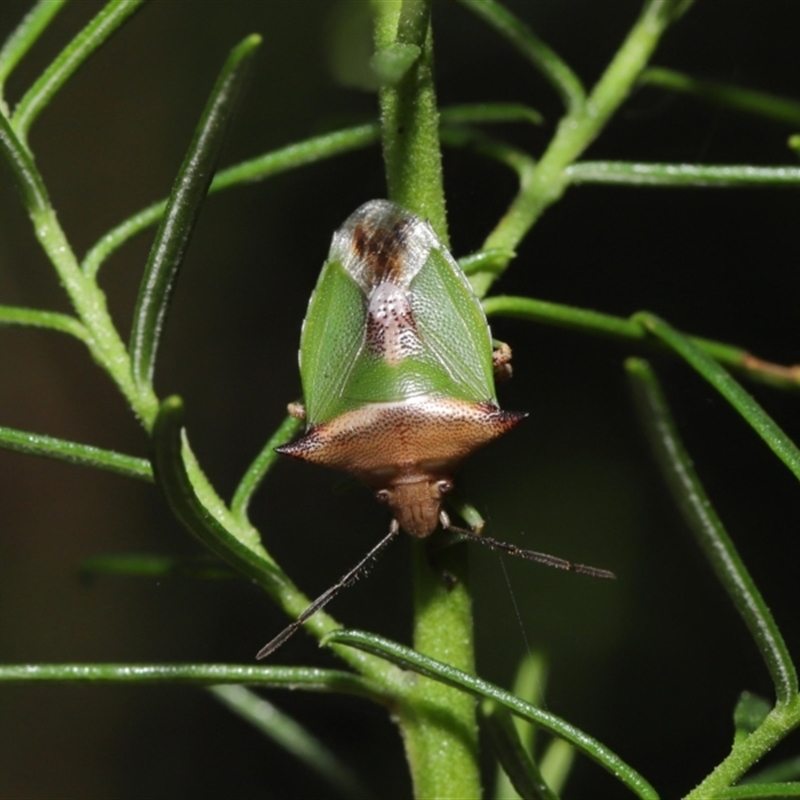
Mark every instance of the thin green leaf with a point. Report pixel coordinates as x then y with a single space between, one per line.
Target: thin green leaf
755 791
261 465
265 166
101 27
760 104
292 737
512 755
20 161
666 175
581 319
36 444
466 511
490 112
26 35
183 208
750 410
306 678
506 154
711 535
409 659
556 763
529 685
145 565
547 61
173 478
486 261
585 320
751 710
556 760
52 320
668 10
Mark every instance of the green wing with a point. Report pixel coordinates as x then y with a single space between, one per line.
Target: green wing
333 335
453 327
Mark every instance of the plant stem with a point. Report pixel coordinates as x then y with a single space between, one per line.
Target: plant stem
437 722
409 117
576 131
105 344
746 752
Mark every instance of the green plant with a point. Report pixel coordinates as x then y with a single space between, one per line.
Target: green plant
436 715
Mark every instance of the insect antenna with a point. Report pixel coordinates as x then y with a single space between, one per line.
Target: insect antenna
531 555
347 579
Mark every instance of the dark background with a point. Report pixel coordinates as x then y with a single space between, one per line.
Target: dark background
652 664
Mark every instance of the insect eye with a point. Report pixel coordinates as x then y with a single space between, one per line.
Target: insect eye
382 496
444 487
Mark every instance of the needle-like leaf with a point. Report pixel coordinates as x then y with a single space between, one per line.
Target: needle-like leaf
183 208
711 535
410 659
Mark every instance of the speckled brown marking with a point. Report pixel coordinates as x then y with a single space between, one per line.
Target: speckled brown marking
382 249
404 450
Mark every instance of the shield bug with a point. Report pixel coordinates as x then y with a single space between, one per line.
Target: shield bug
396 364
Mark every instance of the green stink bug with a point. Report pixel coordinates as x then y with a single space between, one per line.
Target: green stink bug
396 364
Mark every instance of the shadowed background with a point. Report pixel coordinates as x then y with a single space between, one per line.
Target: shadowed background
651 665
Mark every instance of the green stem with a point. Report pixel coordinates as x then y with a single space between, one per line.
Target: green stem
523 773
437 723
576 131
89 301
409 117
50 320
748 751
